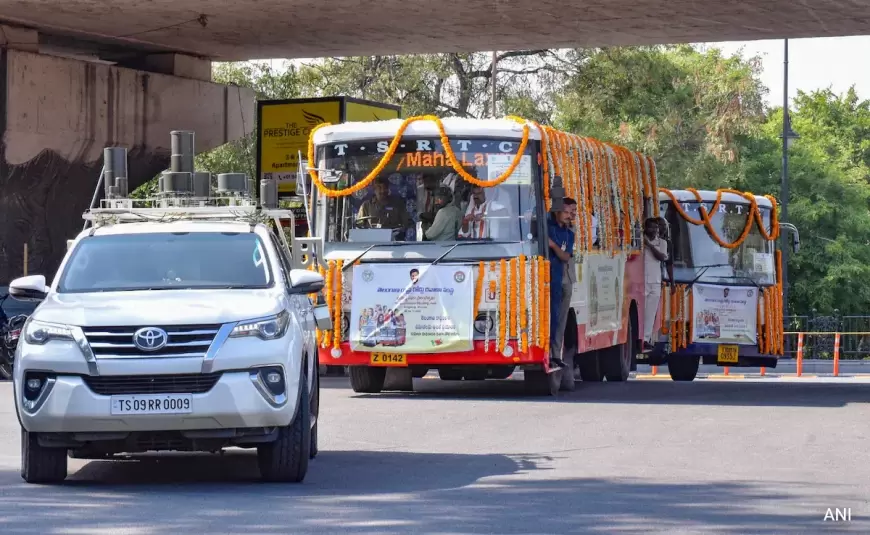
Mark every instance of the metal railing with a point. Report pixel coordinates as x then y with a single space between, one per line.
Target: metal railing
820 335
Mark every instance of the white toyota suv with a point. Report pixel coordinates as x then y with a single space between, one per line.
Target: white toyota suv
184 335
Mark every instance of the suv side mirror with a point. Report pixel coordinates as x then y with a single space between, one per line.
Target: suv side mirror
31 288
303 281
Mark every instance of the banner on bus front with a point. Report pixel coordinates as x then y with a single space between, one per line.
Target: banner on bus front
724 314
408 309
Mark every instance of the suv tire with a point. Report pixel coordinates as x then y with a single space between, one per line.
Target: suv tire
286 459
40 464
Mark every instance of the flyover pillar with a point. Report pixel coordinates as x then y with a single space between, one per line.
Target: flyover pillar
56 116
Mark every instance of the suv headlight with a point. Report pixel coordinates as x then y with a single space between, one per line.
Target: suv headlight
37 332
270 328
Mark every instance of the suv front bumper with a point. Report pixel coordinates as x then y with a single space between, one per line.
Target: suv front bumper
68 405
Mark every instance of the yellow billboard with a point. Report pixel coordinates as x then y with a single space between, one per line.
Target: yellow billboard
283 127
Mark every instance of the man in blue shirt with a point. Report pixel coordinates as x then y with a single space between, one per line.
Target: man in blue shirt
562 275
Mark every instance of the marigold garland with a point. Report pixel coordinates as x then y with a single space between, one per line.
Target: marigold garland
394 144
753 216
339 308
328 286
524 339
514 297
502 303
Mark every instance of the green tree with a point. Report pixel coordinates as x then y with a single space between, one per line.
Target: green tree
687 108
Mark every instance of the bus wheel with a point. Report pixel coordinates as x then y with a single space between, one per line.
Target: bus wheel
367 380
683 368
590 366
540 383
617 359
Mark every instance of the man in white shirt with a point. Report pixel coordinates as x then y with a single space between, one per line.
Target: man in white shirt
655 252
474 224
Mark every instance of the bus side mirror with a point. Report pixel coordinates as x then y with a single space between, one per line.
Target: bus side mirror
795 243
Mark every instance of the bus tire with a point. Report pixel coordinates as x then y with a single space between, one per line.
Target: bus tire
367 379
683 368
590 366
617 363
541 383
449 374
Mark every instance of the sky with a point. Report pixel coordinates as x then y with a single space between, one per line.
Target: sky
817 63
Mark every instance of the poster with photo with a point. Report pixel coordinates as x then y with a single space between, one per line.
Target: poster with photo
411 308
725 314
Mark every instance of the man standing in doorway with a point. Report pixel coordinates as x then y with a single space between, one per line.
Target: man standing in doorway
561 244
654 253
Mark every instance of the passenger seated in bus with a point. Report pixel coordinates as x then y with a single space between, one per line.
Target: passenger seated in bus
384 209
474 224
445 226
426 200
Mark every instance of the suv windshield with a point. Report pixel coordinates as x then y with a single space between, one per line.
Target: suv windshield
164 261
696 254
418 196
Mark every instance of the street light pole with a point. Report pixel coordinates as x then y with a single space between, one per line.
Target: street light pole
786 134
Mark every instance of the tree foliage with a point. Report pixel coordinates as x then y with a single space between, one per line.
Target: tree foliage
699 113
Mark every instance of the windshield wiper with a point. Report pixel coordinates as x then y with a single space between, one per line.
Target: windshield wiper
348 265
704 270
464 243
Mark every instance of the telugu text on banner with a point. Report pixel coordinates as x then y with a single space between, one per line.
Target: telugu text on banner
412 308
724 314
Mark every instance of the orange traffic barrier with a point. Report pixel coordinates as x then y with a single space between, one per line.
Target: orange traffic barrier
727 371
655 370
836 354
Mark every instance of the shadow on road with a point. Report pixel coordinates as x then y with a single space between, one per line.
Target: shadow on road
353 492
765 393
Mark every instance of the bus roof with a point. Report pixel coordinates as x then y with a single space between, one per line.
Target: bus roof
455 126
710 196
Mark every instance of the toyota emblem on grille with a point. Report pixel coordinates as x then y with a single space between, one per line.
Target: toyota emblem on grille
150 338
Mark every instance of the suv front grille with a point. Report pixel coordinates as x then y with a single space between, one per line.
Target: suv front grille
182 341
192 383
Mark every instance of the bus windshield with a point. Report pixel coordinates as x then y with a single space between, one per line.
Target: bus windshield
698 256
418 196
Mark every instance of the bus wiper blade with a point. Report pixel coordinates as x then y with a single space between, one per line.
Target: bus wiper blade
464 243
347 265
704 270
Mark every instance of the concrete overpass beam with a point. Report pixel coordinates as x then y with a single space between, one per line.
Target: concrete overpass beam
18 38
57 114
177 65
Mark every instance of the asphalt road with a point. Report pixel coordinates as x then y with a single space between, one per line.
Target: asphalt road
757 457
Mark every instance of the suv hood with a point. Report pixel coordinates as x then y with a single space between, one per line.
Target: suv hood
159 307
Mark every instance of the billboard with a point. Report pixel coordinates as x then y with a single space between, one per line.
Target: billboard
283 127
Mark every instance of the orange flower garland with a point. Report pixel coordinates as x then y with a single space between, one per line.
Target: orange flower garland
339 309
514 298
330 276
524 338
502 301
754 216
394 144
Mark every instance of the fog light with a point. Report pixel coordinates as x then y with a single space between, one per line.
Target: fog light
34 384
274 377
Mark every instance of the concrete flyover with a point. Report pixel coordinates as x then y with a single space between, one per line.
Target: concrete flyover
315 28
57 114
78 75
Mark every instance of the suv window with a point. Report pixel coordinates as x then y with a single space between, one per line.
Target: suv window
164 261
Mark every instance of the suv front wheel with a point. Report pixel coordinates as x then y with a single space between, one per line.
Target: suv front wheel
40 464
286 459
